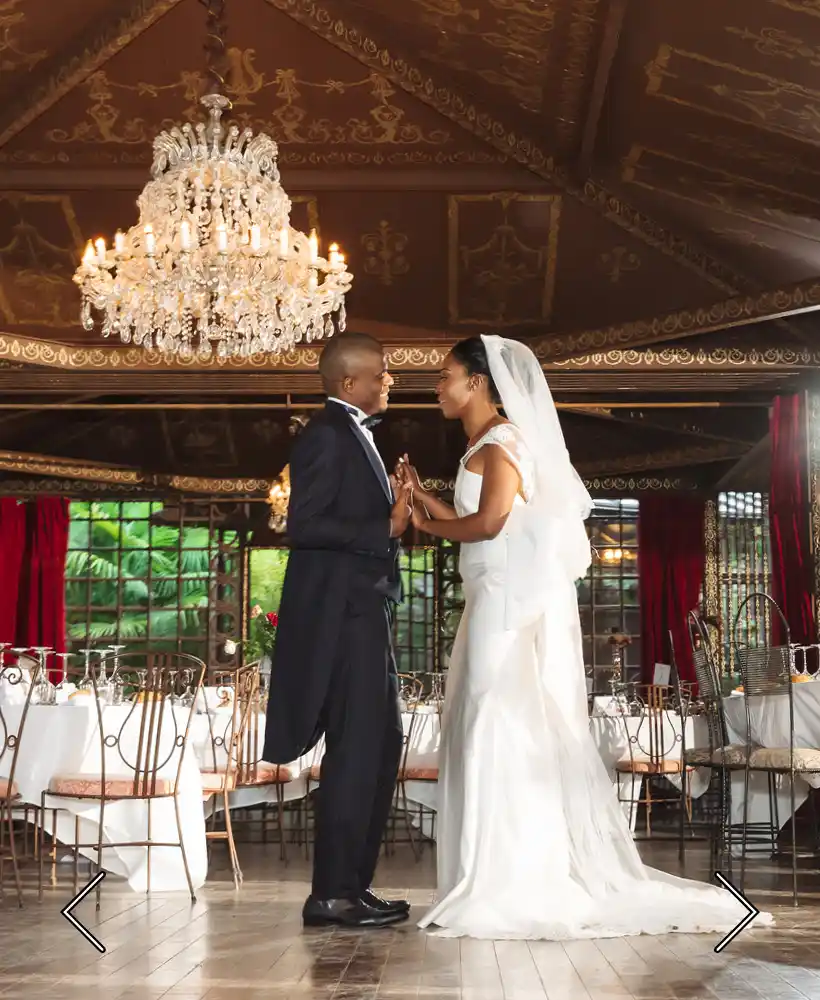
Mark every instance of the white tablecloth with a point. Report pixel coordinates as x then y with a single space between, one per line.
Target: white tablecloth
769 718
64 740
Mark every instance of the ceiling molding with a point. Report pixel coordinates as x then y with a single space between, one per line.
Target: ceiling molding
521 148
294 180
738 311
68 68
600 485
615 348
75 469
605 486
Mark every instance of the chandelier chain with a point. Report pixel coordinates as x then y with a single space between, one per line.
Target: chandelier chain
215 46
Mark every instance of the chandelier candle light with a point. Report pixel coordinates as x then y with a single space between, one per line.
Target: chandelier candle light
213 263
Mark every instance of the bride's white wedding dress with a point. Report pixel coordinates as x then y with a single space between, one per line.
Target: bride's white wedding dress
532 842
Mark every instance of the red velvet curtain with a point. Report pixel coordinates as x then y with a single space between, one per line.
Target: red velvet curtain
671 555
41 603
790 518
12 547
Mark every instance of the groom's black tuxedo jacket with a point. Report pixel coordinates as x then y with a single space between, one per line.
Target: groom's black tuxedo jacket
341 553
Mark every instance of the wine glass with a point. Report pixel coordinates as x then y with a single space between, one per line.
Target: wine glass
187 698
45 689
20 652
102 678
64 670
115 683
86 683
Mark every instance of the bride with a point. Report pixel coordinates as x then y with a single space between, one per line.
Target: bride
532 841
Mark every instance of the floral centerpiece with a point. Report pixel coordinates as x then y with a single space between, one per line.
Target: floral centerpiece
262 637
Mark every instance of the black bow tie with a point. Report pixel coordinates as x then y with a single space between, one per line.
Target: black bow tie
367 422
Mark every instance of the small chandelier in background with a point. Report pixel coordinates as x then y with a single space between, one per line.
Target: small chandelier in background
278 499
213 263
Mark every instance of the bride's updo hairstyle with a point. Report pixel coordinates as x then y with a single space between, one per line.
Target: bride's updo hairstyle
472 354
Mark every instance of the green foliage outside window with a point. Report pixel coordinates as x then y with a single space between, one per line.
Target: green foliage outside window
129 579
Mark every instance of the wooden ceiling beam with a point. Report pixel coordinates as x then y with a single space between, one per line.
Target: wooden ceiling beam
672 458
606 57
752 471
741 310
668 423
68 68
295 180
523 149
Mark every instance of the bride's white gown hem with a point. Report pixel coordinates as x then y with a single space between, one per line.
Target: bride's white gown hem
532 842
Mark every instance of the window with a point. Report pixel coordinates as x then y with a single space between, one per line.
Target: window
744 560
427 621
137 573
608 595
417 616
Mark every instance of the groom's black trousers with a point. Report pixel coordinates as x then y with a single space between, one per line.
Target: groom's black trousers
363 745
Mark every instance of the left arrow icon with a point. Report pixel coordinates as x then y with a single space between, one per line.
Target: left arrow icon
66 912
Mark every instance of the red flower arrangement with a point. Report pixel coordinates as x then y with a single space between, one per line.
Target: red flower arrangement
264 626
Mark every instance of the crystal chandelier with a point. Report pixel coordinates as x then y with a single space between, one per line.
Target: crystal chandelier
213 264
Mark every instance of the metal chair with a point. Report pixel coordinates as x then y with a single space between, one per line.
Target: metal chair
718 754
425 773
251 770
769 671
236 757
219 776
654 743
411 691
13 678
141 758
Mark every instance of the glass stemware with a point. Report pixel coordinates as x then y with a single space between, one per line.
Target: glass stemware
63 670
86 683
436 687
44 690
20 652
116 688
102 678
187 698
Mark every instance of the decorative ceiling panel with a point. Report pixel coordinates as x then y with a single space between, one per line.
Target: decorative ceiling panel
32 31
711 124
501 46
321 106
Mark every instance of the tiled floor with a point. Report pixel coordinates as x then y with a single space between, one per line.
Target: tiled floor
250 944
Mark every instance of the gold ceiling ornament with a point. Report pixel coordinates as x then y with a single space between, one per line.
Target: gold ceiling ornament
213 265
618 261
12 56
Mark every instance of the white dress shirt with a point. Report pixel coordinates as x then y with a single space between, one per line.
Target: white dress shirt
357 416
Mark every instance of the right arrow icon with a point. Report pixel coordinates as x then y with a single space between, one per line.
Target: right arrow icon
752 912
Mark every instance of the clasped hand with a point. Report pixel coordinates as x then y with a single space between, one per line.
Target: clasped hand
406 478
402 511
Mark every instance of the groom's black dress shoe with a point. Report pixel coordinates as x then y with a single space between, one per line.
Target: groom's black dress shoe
347 913
385 905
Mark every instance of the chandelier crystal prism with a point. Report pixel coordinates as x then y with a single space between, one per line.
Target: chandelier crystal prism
213 265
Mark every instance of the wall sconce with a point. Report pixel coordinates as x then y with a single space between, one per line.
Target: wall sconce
278 499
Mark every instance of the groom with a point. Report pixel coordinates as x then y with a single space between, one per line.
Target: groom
333 669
